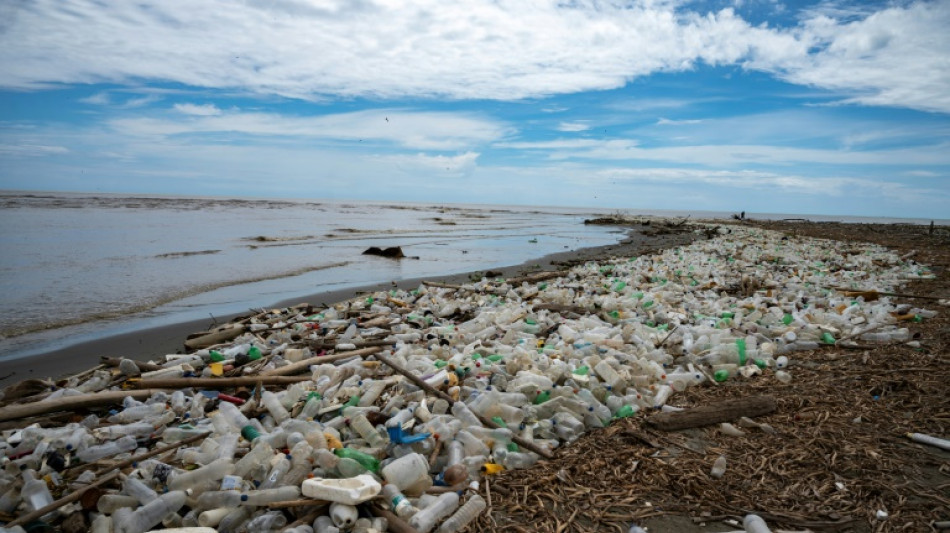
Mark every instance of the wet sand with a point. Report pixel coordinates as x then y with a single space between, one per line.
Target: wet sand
155 342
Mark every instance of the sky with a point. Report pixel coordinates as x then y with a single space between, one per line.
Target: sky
767 106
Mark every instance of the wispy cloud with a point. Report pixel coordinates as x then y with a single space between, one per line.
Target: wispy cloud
573 126
31 150
667 122
475 50
414 130
203 110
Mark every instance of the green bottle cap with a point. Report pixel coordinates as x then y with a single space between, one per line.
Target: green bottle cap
582 371
500 421
250 432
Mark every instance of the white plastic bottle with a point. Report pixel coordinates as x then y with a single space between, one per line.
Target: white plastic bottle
398 502
468 512
94 453
343 515
35 492
754 524
719 467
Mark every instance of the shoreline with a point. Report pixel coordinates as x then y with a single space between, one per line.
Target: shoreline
155 342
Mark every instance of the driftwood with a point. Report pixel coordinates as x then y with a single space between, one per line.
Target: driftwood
329 344
303 366
487 422
714 413
214 337
68 403
541 276
871 295
217 383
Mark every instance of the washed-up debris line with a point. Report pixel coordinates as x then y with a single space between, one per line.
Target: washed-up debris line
392 411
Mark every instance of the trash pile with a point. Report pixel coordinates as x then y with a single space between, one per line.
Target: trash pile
386 412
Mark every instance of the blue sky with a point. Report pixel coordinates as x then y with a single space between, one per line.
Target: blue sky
757 105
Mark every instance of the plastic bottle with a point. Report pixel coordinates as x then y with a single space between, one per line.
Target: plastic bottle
35 492
213 471
213 517
138 490
260 453
754 524
409 473
398 501
367 431
147 516
94 453
468 512
268 521
274 407
719 467
427 518
263 497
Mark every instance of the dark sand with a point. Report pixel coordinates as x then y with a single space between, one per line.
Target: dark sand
156 342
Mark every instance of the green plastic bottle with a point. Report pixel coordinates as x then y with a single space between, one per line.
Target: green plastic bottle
542 397
366 460
625 411
740 347
721 375
254 353
216 356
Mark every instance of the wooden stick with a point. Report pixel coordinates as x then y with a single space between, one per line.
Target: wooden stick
73 496
396 524
714 413
364 344
296 503
303 366
214 337
218 383
487 422
541 276
874 294
439 285
68 403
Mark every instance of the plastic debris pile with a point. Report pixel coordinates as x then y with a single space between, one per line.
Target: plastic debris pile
509 366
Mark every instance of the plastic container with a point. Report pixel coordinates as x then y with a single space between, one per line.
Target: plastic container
343 515
410 473
351 491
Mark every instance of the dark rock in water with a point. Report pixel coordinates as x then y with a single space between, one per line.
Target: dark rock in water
394 252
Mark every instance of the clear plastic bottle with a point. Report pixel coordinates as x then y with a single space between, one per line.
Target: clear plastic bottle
272 520
367 431
398 501
719 467
35 492
137 489
213 471
94 453
427 518
260 453
274 407
150 514
276 472
468 512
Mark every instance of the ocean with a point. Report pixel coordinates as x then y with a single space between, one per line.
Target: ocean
77 267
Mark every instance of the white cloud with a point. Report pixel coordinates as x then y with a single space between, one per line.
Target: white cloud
100 98
414 130
719 155
458 165
472 49
667 122
31 150
573 126
205 110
